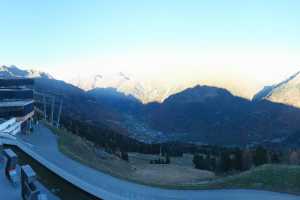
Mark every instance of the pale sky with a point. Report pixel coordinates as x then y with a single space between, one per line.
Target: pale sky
170 40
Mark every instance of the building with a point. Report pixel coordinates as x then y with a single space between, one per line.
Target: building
16 105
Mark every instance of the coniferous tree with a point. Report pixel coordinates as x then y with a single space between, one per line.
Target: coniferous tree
247 159
225 162
167 159
260 156
124 156
275 158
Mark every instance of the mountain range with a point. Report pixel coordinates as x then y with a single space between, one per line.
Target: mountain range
145 91
200 114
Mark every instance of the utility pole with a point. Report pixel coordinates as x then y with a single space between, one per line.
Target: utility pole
59 113
52 109
160 152
45 114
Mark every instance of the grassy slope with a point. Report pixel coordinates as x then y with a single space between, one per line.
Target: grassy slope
83 151
279 178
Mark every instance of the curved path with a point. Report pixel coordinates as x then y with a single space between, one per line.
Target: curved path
42 146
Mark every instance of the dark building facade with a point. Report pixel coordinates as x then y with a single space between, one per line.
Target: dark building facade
16 100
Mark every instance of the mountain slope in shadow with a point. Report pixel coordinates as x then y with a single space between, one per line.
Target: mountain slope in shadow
201 114
213 115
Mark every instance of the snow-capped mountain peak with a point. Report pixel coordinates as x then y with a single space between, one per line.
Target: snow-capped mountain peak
121 74
13 72
286 92
145 91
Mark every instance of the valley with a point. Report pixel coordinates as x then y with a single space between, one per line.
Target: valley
138 168
141 131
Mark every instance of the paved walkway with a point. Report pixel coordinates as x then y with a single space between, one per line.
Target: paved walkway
42 145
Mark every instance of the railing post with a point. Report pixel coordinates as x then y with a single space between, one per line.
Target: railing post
11 165
29 189
1 153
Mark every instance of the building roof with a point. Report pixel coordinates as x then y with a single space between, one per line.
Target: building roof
15 103
15 89
5 82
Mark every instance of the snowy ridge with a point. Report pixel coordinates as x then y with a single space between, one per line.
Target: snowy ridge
286 92
146 91
14 72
